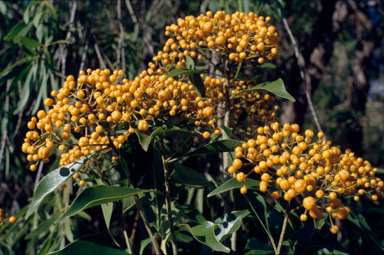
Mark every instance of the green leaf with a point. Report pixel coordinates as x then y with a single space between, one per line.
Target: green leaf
15 30
189 63
44 226
188 176
25 93
229 223
98 195
198 83
60 42
37 18
3 8
190 212
276 87
234 184
107 209
227 130
179 132
68 230
176 72
145 139
358 219
256 246
91 244
205 234
319 223
53 180
21 61
30 42
267 65
226 145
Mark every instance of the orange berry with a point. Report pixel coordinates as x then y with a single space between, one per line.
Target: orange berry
240 177
334 229
243 190
12 219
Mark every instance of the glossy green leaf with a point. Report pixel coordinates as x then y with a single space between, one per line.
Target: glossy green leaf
44 226
234 184
188 176
176 72
198 83
98 195
53 180
15 30
91 244
229 223
226 145
30 42
276 87
205 234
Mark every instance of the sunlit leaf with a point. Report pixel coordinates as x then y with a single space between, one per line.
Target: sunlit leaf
205 234
229 223
54 180
276 87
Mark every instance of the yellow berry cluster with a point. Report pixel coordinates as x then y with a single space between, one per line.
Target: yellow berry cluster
11 219
240 36
313 169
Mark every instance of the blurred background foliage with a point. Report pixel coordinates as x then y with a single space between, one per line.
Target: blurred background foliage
41 42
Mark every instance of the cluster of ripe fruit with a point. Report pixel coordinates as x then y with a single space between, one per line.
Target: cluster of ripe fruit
295 164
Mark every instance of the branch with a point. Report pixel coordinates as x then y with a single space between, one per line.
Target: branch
304 76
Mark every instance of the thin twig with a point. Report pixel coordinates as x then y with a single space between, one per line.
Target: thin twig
63 52
101 61
85 48
141 210
131 12
121 37
38 175
282 234
104 55
303 74
168 198
127 241
5 131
